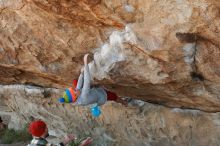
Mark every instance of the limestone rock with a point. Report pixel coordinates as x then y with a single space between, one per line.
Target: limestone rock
142 125
140 47
165 52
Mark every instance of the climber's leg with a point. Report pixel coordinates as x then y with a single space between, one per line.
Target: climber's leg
113 97
86 83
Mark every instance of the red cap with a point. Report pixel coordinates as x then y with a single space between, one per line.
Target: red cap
75 83
37 128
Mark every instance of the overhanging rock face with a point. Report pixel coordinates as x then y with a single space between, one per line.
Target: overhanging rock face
165 52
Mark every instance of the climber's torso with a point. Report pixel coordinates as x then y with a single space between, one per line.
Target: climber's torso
94 95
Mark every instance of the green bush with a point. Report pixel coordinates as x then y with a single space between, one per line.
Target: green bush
9 136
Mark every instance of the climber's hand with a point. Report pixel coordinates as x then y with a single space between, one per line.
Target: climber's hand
68 138
86 142
86 58
77 92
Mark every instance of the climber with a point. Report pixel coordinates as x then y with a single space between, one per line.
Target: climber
83 94
38 129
